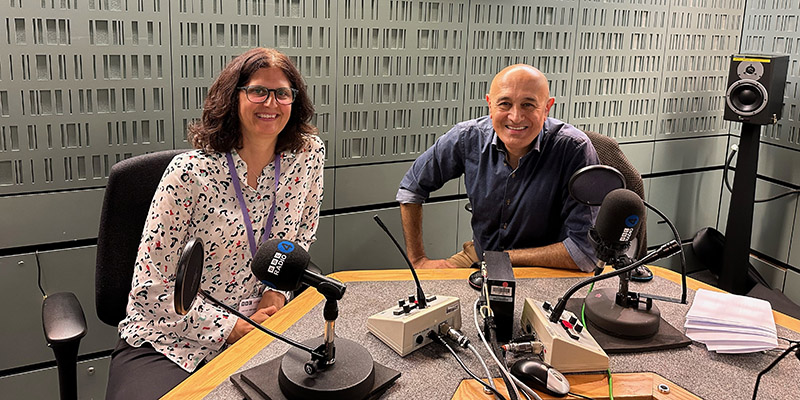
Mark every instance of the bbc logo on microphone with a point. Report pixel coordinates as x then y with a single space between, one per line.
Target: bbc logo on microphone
276 264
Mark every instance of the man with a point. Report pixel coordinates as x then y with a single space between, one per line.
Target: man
516 164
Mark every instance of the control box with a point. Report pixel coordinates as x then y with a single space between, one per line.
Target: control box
501 286
569 347
405 327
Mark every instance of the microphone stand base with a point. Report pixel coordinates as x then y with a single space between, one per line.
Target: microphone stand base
350 377
611 318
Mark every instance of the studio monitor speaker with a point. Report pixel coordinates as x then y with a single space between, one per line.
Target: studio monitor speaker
755 88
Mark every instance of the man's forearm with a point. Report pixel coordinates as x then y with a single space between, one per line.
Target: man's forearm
553 256
411 215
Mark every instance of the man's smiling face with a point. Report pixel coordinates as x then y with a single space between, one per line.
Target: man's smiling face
519 101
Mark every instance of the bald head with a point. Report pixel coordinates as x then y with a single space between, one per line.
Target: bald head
519 101
521 75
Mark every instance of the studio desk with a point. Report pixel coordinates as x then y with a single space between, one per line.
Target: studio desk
432 373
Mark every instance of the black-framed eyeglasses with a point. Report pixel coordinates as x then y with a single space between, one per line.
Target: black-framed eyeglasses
260 94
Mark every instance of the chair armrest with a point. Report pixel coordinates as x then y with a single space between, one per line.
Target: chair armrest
63 319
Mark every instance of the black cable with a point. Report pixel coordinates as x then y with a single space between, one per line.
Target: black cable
580 395
677 239
788 340
730 189
439 339
39 270
774 363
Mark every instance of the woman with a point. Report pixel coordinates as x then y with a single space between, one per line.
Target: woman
257 169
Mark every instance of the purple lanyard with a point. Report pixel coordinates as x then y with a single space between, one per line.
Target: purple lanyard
238 187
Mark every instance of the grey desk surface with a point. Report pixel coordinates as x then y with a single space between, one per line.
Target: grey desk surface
432 373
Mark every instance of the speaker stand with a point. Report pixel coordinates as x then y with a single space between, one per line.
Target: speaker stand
739 228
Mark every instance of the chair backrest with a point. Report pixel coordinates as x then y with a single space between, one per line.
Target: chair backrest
610 154
131 186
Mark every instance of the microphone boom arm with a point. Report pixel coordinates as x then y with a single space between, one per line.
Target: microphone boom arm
258 326
421 300
665 250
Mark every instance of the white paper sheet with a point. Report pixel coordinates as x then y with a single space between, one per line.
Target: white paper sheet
728 323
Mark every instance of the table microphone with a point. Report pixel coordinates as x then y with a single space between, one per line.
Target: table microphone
283 265
187 287
618 221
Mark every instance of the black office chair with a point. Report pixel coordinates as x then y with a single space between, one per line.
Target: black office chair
130 189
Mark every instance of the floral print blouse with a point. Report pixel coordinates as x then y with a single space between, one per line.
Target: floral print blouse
196 198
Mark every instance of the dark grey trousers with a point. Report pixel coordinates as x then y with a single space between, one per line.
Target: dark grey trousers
141 373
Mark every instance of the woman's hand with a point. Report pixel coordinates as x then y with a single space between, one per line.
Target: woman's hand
243 327
272 298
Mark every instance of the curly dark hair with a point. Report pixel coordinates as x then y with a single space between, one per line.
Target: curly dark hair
219 127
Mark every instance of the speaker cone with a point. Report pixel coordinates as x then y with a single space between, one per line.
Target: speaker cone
746 97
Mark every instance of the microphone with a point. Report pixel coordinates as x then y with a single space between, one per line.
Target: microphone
283 265
618 221
187 288
666 250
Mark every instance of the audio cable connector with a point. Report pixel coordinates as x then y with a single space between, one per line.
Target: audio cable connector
533 347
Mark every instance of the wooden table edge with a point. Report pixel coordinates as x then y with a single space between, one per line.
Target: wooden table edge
635 385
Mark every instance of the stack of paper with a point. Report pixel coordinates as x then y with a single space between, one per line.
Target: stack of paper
727 323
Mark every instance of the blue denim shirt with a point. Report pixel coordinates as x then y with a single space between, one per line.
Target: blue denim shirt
512 208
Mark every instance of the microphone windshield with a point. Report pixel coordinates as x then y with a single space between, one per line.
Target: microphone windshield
280 264
619 218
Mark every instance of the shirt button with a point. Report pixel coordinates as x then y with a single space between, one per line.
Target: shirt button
505 226
508 202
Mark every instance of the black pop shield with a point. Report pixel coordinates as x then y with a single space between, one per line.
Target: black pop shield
590 185
187 278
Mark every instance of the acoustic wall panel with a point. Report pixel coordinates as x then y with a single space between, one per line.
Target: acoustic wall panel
361 244
777 162
791 288
464 231
794 247
84 85
771 27
383 181
322 250
31 219
640 155
618 64
500 34
689 200
773 222
329 185
699 44
692 153
773 274
43 384
401 77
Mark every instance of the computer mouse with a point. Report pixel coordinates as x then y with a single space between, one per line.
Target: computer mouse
541 376
476 280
